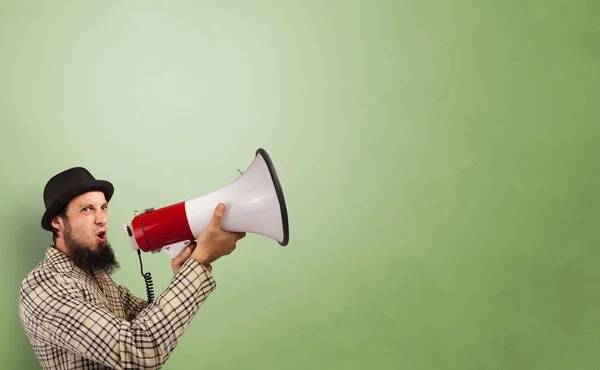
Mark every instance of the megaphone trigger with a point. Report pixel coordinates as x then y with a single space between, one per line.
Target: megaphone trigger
173 250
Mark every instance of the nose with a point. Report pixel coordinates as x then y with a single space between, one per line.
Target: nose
101 218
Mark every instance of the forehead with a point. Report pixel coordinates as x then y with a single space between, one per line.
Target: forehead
92 197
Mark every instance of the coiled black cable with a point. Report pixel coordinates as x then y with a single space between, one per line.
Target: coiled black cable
147 279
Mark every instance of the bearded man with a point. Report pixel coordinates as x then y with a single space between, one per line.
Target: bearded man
76 316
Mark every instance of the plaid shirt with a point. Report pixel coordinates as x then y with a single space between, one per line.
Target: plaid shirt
74 323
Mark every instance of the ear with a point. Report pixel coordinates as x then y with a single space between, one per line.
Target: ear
57 223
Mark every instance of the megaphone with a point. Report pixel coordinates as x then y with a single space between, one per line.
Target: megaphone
255 204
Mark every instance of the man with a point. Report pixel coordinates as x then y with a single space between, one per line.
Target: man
74 314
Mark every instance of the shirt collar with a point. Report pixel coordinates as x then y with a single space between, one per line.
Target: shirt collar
64 264
60 261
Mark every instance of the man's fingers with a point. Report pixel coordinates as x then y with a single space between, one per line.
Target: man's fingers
186 252
179 260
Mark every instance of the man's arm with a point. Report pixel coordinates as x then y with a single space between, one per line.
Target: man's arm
54 311
132 304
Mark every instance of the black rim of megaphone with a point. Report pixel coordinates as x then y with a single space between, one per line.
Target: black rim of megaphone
280 197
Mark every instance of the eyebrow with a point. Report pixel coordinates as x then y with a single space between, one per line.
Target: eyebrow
89 205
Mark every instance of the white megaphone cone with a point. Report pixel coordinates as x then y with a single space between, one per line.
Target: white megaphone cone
255 204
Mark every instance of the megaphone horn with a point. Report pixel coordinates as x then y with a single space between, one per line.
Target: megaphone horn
255 204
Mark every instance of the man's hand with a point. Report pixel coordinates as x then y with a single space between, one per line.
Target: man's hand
178 261
214 242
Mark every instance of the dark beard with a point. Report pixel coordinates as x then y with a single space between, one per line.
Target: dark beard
88 260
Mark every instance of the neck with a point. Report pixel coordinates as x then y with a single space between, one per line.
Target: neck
61 246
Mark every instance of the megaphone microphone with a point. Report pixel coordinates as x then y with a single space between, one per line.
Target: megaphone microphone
255 204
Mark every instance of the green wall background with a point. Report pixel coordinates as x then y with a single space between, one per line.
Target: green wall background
439 160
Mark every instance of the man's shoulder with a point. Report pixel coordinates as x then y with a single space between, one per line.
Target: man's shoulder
53 265
41 288
43 275
40 275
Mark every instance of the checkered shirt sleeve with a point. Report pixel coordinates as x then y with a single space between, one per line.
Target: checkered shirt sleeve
57 316
131 304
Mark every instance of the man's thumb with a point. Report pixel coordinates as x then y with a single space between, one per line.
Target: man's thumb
218 214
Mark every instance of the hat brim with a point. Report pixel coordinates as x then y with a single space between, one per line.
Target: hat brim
95 185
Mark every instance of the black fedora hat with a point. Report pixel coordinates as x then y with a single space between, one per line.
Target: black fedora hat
63 187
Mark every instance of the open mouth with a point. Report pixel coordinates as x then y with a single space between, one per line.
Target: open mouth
101 236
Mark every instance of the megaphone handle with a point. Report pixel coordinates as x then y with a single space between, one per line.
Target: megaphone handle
173 250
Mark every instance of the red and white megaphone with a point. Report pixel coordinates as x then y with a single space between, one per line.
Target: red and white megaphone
255 204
